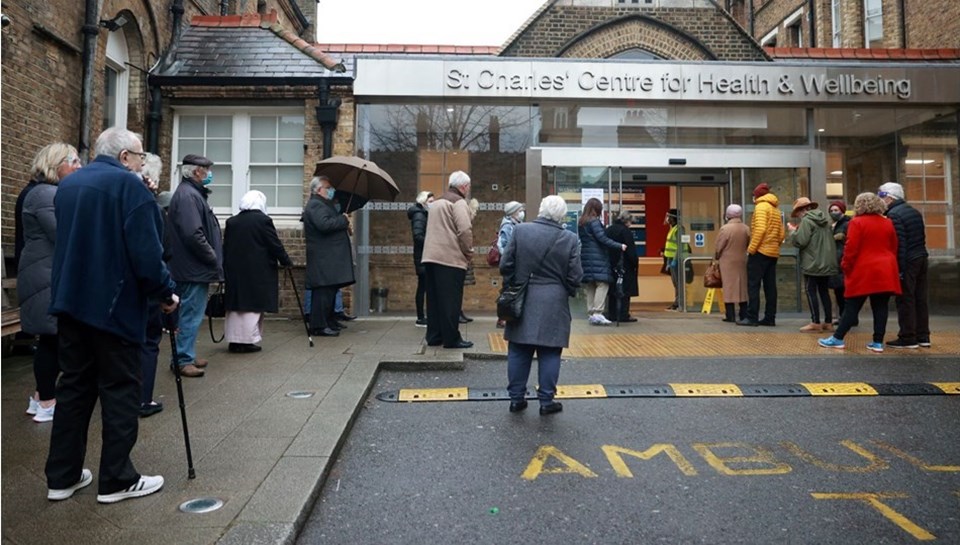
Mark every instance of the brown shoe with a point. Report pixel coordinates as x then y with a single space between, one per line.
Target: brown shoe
811 327
200 362
827 326
191 370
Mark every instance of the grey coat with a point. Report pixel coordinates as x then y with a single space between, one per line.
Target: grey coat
195 242
546 314
329 257
36 261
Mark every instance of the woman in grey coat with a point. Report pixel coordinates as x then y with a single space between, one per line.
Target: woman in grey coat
549 256
52 163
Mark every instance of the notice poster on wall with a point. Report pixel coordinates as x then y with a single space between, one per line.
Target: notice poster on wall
588 193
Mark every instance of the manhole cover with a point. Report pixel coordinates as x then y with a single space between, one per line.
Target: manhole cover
201 505
300 395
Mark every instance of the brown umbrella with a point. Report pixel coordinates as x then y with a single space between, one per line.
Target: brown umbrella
358 176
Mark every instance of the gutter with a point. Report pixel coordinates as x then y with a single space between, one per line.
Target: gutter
91 31
155 117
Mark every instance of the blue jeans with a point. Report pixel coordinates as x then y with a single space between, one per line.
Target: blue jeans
337 303
519 359
193 302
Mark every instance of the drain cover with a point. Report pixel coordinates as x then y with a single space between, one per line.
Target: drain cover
300 395
201 505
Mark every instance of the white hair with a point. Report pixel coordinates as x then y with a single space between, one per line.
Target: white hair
423 196
553 208
892 189
315 183
459 179
152 167
114 140
187 171
254 200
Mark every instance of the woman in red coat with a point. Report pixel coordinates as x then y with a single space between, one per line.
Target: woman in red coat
870 270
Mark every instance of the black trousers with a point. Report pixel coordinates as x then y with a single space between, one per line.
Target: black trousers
150 351
421 295
46 366
879 303
321 306
618 308
761 269
913 315
95 364
444 304
818 286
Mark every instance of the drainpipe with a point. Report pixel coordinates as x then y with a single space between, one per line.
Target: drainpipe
155 116
753 31
224 7
903 24
327 113
91 31
813 22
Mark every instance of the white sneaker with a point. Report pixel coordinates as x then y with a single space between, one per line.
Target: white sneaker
33 404
54 494
44 414
593 319
602 320
145 486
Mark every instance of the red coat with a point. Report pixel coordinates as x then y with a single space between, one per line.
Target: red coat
870 257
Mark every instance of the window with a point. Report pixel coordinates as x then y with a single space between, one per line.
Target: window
116 81
794 30
770 40
926 189
873 23
835 21
255 149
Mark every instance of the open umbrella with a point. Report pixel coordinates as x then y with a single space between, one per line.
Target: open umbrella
348 201
359 177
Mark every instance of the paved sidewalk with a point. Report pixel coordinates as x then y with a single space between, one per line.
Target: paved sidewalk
263 453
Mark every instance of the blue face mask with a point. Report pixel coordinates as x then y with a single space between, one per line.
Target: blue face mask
209 179
330 193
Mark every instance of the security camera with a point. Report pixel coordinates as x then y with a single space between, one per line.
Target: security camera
4 21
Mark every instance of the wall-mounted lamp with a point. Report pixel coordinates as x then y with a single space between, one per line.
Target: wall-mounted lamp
115 23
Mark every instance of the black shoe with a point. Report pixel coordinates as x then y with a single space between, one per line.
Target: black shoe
242 348
768 323
748 323
627 320
461 344
434 344
337 326
517 406
345 317
924 342
731 320
421 322
150 409
464 319
326 332
552 407
900 343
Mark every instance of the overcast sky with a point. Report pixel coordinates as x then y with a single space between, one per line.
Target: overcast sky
441 22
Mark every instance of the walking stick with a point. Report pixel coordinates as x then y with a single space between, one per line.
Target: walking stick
303 317
170 322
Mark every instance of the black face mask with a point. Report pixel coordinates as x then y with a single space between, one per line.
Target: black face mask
836 215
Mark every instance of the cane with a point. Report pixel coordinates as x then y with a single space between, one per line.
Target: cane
303 317
170 322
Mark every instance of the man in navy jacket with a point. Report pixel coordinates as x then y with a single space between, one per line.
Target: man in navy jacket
106 265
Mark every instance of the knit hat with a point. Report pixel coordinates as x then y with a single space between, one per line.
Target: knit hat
891 189
512 208
839 204
761 190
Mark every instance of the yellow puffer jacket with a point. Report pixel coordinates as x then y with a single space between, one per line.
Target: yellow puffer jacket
766 227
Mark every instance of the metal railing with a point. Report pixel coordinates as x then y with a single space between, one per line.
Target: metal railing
796 267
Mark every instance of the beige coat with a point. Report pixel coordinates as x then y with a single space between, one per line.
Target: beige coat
449 239
732 242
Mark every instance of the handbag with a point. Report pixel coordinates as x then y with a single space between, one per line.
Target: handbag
493 255
216 308
511 298
711 278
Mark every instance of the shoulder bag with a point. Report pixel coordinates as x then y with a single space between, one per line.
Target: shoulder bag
216 308
493 255
510 301
711 278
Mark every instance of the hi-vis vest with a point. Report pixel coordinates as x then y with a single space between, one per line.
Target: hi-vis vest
670 248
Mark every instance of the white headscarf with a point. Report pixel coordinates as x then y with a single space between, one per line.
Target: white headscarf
254 200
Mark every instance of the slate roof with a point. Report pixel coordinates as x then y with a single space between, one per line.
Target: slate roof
250 49
863 54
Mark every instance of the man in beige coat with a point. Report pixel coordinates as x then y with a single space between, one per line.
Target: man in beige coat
447 250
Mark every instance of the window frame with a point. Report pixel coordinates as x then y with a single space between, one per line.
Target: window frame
239 151
116 57
866 23
836 23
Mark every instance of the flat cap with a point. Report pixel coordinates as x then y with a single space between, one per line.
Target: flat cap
198 160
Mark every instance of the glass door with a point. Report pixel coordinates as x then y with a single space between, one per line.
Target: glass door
701 211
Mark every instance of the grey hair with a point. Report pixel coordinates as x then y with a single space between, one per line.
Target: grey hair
423 196
553 208
624 216
315 183
187 171
152 167
459 179
114 140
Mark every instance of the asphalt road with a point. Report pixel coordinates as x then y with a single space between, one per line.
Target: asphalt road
673 470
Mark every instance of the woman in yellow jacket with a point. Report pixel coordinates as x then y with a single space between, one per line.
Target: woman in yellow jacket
766 235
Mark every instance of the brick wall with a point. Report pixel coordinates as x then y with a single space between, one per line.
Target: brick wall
933 24
559 24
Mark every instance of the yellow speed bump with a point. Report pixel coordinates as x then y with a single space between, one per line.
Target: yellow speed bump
948 387
706 390
433 394
579 391
839 388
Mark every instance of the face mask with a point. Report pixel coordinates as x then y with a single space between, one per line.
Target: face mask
330 193
836 215
521 215
209 179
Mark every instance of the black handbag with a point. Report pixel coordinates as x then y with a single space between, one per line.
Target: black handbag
216 308
511 298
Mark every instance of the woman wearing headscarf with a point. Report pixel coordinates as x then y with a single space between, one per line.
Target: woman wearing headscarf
513 213
597 273
548 255
732 242
619 231
417 214
251 252
37 226
838 213
870 270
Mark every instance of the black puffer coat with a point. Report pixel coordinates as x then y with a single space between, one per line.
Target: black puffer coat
621 233
418 223
912 241
594 257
